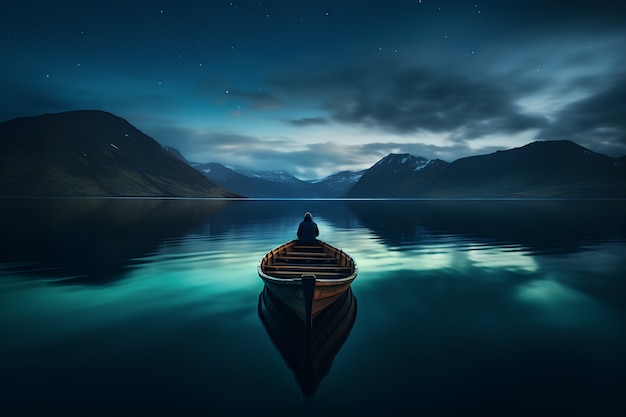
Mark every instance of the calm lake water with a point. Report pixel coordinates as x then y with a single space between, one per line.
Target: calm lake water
154 307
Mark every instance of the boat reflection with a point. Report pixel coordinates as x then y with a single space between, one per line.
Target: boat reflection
308 351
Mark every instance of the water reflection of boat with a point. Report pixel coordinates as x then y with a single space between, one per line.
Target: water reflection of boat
308 350
307 278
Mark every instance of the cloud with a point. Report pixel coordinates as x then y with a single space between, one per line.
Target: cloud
221 146
598 121
308 121
406 101
545 88
417 100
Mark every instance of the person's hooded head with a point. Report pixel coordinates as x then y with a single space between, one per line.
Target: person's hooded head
308 216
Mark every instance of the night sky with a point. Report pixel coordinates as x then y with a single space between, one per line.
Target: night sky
316 87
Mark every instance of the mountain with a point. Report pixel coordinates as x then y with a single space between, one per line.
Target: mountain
91 153
539 169
253 185
277 184
338 184
397 175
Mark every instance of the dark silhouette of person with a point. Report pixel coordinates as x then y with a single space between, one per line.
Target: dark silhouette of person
307 230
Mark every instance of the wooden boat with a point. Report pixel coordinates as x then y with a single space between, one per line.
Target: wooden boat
307 278
308 351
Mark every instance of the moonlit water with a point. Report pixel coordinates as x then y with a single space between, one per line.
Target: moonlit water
110 307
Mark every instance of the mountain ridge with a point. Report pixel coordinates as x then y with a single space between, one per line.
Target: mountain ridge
540 169
536 170
95 153
276 184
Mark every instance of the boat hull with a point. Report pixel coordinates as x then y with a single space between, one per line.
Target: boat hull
308 279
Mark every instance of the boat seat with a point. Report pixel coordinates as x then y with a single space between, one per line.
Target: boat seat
304 260
308 247
308 254
336 268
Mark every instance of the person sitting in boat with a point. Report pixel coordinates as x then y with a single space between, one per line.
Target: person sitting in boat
307 230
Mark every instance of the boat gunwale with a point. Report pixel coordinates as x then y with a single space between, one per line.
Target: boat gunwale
318 280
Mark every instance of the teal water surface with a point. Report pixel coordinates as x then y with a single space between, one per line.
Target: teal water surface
152 307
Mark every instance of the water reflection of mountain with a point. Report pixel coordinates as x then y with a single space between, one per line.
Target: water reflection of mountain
92 240
309 353
542 226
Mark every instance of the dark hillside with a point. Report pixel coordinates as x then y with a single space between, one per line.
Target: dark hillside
539 169
91 153
554 169
398 175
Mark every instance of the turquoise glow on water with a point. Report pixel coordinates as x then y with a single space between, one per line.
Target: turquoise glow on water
151 306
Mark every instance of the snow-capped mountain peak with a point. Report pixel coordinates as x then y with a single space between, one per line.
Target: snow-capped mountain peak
274 176
401 163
